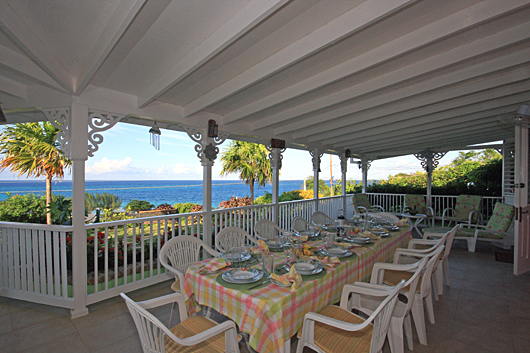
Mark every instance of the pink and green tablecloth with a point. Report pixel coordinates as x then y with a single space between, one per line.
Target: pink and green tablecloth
270 314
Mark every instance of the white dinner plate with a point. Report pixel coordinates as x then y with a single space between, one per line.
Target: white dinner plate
358 240
337 253
242 276
232 258
304 267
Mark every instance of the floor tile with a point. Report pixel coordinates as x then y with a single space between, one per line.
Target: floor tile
7 342
5 324
71 343
108 332
32 336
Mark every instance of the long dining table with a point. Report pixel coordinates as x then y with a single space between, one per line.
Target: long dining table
270 314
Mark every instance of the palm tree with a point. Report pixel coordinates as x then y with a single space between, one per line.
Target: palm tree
31 149
250 161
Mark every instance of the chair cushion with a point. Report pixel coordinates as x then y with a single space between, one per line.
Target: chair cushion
393 277
361 200
416 202
502 217
176 285
193 326
331 339
465 204
464 232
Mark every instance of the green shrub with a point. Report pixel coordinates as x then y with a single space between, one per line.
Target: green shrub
28 208
263 199
139 205
185 207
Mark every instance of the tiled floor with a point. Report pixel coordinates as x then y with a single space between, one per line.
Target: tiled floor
486 309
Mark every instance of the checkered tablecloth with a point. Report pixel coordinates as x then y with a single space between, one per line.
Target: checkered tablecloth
271 314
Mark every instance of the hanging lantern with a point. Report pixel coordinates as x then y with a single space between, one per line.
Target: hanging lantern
155 136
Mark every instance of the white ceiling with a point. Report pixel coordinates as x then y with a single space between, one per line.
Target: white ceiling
378 77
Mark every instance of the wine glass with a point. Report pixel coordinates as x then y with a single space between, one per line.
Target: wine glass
288 249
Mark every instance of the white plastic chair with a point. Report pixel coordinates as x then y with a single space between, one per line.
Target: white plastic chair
389 217
325 331
401 314
300 224
443 268
178 254
322 219
266 229
193 334
231 237
423 298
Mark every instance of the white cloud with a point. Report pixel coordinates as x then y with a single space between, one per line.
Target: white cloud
109 166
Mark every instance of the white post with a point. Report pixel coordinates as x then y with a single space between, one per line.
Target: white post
316 156
276 164
79 154
365 166
344 170
429 162
207 151
207 201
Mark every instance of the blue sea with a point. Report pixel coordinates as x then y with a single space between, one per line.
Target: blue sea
155 191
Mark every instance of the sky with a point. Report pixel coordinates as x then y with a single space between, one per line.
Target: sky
126 154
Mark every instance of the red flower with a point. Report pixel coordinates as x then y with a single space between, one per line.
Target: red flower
68 239
90 239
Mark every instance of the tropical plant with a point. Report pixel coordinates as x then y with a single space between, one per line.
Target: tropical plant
138 205
61 210
236 202
32 149
250 161
102 201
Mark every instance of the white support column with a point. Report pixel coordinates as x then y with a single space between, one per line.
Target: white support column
344 170
316 157
79 155
365 166
429 162
275 156
207 151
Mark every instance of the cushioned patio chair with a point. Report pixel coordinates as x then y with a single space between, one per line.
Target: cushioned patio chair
361 204
266 229
231 237
194 334
417 203
497 229
467 210
178 254
336 329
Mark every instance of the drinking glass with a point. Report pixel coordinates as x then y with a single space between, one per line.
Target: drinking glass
235 255
288 248
298 246
268 264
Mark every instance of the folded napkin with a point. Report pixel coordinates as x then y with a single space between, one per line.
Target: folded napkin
403 222
348 246
292 277
307 250
214 264
328 261
263 246
367 234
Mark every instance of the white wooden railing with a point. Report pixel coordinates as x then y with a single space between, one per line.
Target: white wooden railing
34 263
35 260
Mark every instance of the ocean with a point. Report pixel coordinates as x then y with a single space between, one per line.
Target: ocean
155 191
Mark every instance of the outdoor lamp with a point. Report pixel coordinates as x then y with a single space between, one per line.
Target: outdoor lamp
213 128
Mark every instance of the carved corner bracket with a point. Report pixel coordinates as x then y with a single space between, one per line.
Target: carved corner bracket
99 122
60 118
206 147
